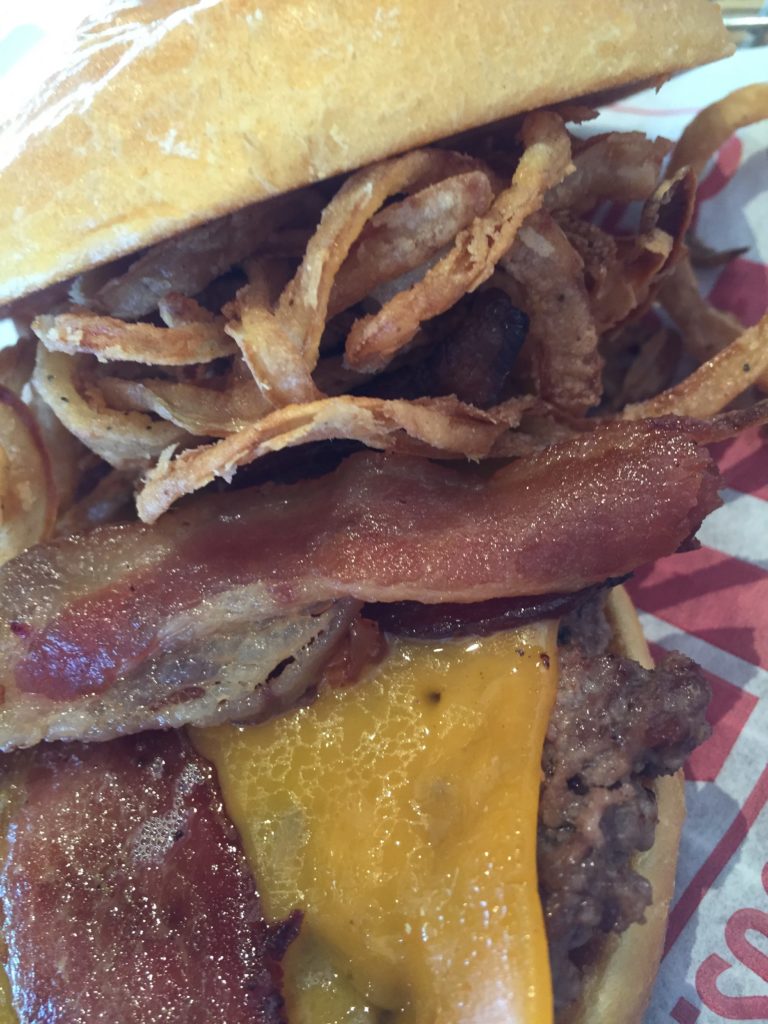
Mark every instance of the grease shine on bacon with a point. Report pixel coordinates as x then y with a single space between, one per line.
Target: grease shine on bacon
126 894
134 627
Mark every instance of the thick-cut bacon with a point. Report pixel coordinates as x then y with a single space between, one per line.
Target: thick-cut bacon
126 895
111 632
158 648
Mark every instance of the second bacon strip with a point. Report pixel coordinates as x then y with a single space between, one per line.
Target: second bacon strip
125 892
137 610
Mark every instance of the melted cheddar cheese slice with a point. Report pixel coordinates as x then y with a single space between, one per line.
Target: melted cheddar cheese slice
400 815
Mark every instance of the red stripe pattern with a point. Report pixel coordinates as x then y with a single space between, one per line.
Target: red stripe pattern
715 606
714 969
723 600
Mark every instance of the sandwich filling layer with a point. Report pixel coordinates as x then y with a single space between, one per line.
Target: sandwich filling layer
394 820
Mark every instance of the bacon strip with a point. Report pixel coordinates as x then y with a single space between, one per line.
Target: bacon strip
160 648
143 612
126 894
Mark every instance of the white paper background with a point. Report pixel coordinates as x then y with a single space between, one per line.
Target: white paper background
717 968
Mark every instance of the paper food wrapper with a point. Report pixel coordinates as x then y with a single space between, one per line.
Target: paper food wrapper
712 604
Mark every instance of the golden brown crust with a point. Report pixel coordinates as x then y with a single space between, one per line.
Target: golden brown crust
178 111
619 987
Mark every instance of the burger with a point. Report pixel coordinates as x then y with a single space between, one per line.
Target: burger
353 721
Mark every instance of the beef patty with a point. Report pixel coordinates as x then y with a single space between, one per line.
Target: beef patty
614 728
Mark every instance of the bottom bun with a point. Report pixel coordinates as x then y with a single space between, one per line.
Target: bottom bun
618 985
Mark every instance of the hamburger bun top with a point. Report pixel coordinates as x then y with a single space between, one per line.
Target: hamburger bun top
172 112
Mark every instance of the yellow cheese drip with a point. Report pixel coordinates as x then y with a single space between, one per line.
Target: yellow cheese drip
7 1012
400 816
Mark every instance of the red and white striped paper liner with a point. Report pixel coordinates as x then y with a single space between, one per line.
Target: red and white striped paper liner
713 605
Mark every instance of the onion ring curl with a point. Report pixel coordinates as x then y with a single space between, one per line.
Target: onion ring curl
282 345
108 339
277 366
625 285
715 124
126 440
373 341
16 364
430 427
28 499
197 409
624 273
710 388
404 236
621 167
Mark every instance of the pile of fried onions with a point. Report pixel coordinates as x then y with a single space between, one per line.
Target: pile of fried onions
27 490
443 304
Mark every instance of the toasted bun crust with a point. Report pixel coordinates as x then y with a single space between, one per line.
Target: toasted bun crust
619 986
173 112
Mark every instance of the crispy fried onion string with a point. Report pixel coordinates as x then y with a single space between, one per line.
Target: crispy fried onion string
402 241
625 285
621 167
177 310
27 491
278 366
108 338
204 411
374 340
16 364
711 387
705 329
623 273
281 346
406 234
640 364
670 207
436 427
68 457
126 440
566 364
652 369
715 124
